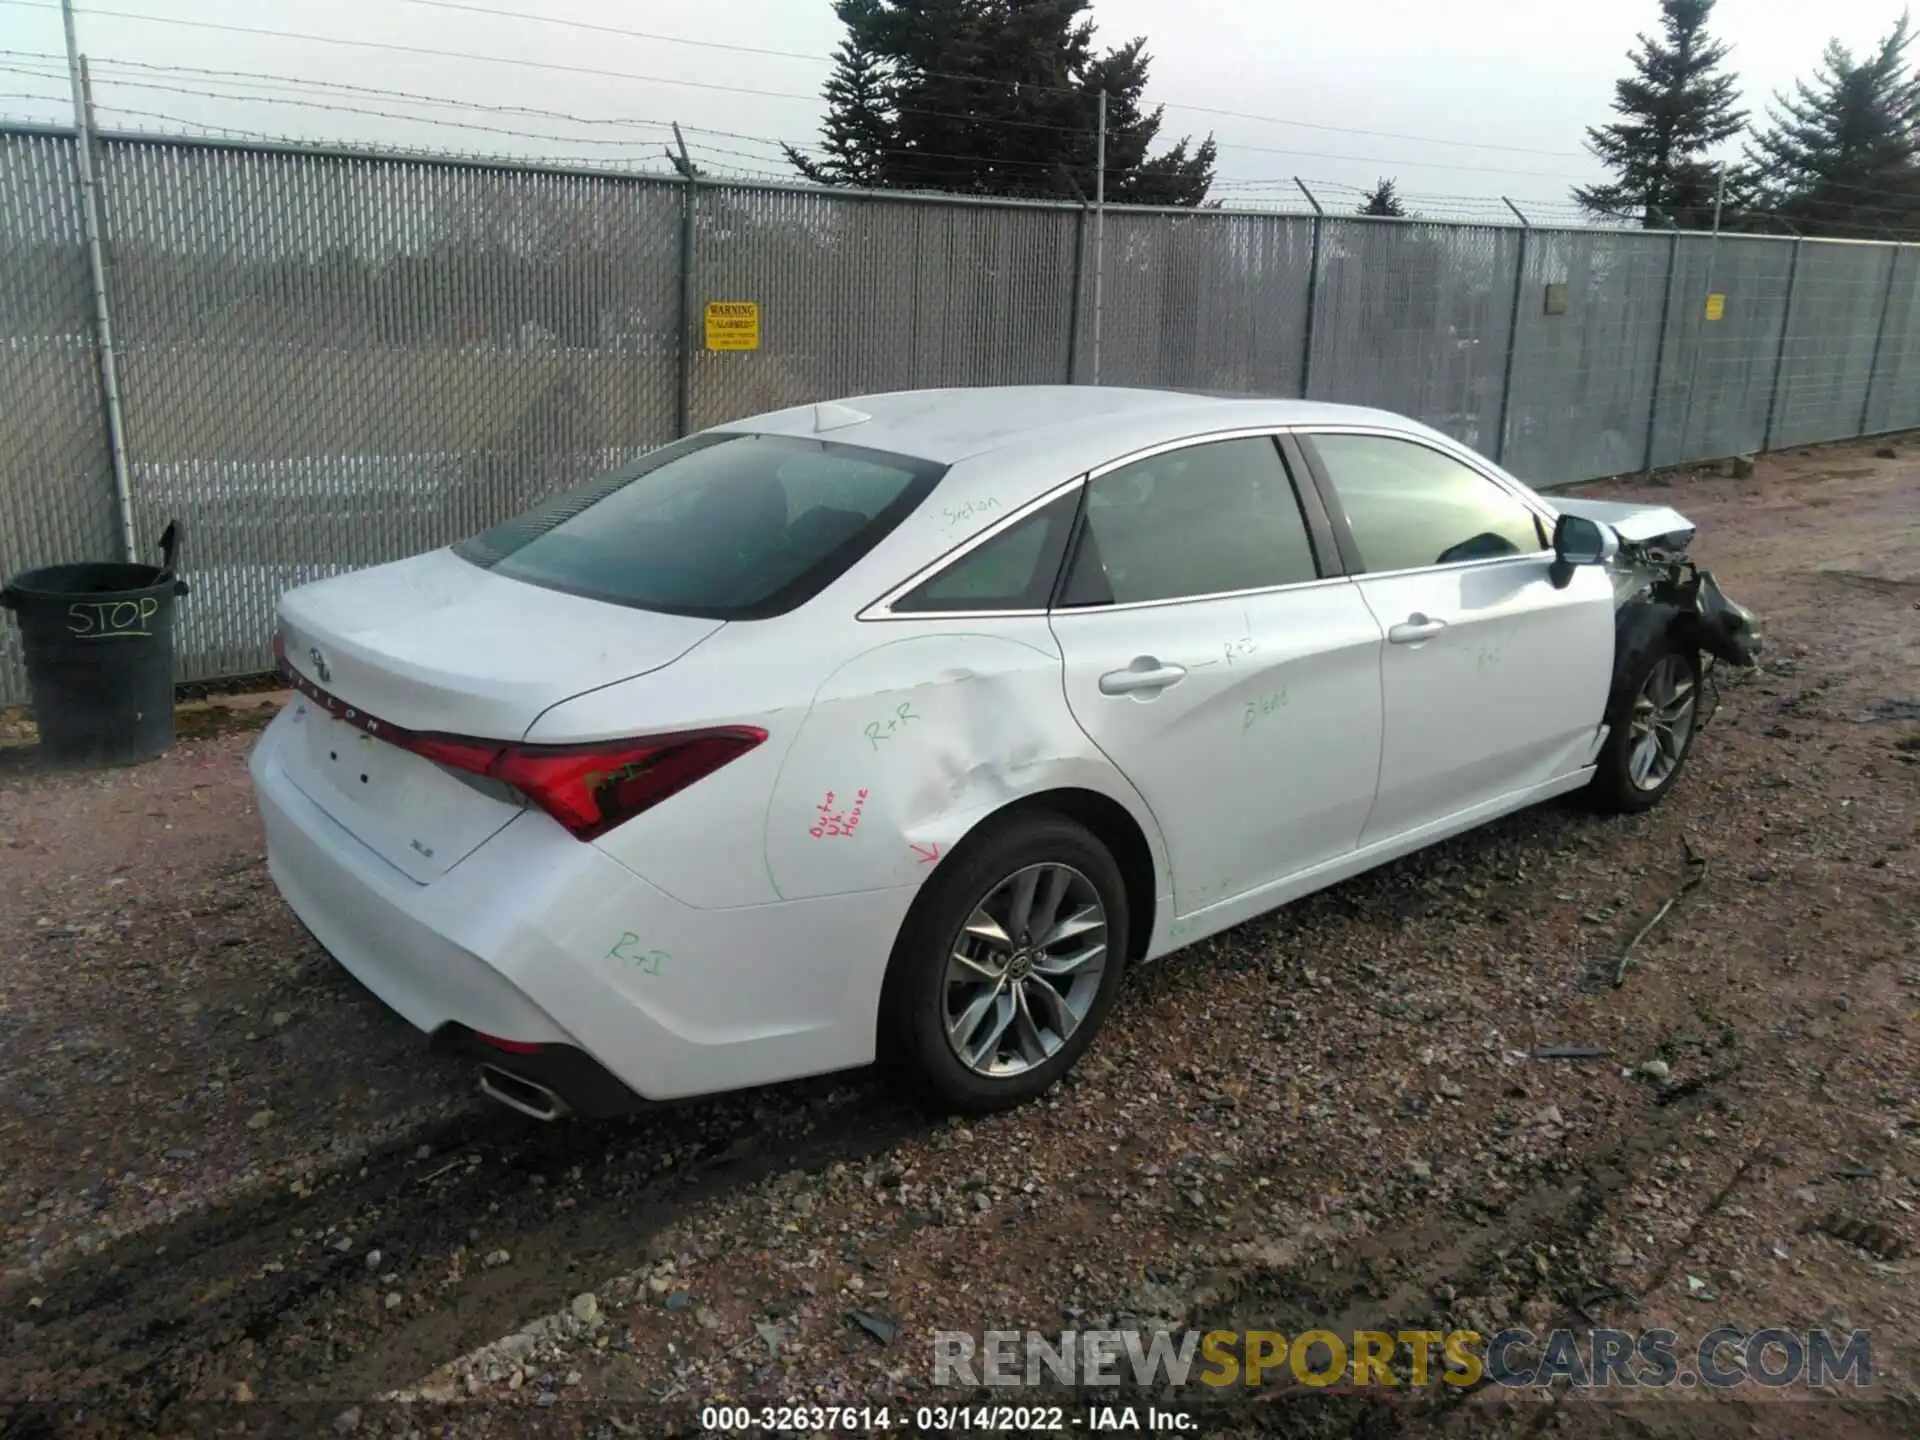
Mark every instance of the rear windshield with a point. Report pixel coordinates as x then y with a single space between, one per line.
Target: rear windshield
728 527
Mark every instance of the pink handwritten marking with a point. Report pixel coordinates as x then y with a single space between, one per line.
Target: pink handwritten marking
837 824
927 857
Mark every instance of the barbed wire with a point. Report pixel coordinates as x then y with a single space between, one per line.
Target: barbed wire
309 93
736 48
518 60
110 66
463 5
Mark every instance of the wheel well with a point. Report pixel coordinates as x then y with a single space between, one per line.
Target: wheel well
1113 827
1638 626
1109 823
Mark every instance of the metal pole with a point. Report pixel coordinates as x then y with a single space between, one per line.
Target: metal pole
1313 288
1660 348
1879 335
1513 338
1700 323
1780 351
1099 233
1073 302
683 405
97 266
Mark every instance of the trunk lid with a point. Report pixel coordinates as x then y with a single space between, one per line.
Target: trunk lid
434 644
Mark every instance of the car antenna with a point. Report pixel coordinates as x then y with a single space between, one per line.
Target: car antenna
829 416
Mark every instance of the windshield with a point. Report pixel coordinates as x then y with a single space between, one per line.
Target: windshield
727 527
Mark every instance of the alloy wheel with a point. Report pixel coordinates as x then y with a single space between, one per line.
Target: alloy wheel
1663 715
1024 970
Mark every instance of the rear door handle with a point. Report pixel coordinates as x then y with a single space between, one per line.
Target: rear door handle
1415 628
1146 673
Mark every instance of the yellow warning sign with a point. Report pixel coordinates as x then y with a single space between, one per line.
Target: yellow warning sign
1716 306
733 325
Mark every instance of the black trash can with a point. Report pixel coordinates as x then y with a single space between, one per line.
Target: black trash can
99 649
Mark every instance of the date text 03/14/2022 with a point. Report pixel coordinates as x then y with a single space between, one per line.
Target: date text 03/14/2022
944 1419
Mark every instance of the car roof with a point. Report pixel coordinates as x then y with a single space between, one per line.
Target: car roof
1077 425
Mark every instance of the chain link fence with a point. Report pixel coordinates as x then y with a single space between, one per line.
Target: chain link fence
56 475
330 359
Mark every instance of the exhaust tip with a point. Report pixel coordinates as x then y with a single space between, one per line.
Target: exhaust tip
517 1093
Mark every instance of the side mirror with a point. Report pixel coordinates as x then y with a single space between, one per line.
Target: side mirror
1579 541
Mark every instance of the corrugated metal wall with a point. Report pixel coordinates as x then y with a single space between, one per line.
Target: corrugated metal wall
333 359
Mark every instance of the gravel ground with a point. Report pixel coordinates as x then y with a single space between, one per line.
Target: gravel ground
1332 1117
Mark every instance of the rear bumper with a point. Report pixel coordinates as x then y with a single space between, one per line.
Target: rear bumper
544 941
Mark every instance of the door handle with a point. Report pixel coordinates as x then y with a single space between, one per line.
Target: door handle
1146 673
1415 628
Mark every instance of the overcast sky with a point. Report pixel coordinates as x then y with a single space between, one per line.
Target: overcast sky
1520 74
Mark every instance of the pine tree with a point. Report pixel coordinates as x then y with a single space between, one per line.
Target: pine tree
859 124
1676 105
995 97
1383 199
1841 156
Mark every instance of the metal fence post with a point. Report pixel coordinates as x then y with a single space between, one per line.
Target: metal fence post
1879 335
1660 350
683 408
1099 235
1313 288
683 352
1513 339
1073 301
1780 350
97 268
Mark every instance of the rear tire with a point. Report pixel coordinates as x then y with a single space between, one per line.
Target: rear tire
1007 965
1651 722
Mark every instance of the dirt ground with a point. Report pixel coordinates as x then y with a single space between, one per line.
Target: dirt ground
237 1194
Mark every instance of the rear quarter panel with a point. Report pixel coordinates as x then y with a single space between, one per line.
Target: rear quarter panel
888 743
913 742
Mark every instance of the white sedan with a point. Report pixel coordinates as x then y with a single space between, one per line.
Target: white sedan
900 727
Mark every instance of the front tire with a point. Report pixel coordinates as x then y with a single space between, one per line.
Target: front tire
1007 965
1651 720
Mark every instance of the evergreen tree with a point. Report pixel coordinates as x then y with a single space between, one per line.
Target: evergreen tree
995 97
1676 105
1839 157
859 124
1383 199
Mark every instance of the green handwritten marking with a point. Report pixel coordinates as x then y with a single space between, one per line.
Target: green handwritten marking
626 950
878 731
1263 707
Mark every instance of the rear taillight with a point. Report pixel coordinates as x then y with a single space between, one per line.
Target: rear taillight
592 788
587 788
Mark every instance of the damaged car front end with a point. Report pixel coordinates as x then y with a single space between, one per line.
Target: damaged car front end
1658 588
1673 625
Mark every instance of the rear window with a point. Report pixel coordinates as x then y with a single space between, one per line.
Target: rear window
727 527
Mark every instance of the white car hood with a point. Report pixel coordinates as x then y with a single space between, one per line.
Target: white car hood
1634 524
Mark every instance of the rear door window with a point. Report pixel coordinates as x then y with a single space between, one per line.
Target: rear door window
727 527
1207 519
